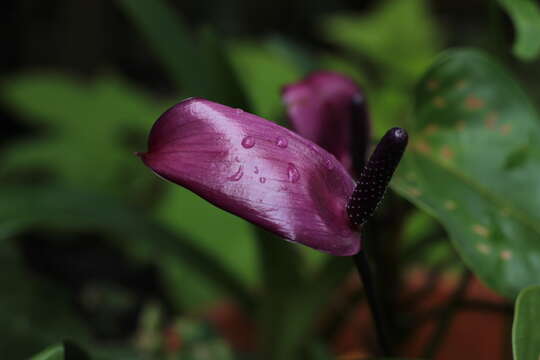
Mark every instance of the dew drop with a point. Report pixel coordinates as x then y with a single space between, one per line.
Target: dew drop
238 111
256 169
281 142
292 173
262 180
248 142
329 164
237 175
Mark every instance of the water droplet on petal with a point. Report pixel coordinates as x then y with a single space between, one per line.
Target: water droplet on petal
256 169
237 175
238 111
329 164
248 142
262 180
281 142
292 173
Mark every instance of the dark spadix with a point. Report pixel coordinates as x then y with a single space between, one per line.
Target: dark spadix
376 175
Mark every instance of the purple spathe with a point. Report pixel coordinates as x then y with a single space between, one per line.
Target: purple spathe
257 170
326 108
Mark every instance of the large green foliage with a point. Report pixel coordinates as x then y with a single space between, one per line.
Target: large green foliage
474 163
86 131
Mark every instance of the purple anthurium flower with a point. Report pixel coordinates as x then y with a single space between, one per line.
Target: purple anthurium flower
258 170
329 109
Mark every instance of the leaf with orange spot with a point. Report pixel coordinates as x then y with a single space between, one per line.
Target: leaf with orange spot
484 157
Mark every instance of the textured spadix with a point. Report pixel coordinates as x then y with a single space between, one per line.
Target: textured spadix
330 110
376 175
255 169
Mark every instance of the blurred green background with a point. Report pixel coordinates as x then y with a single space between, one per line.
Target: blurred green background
97 250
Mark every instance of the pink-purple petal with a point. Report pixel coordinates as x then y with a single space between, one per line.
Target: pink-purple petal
320 108
256 169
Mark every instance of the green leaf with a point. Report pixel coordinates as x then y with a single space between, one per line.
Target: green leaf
307 302
90 130
526 17
227 238
471 119
526 327
55 352
375 36
292 301
281 278
371 38
170 40
262 71
335 63
68 210
65 351
223 82
198 65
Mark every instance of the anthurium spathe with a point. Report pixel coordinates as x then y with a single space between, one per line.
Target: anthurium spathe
329 109
257 170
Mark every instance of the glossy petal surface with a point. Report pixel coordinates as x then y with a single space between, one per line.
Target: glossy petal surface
321 109
255 169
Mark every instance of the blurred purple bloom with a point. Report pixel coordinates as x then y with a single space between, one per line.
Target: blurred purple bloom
257 170
329 109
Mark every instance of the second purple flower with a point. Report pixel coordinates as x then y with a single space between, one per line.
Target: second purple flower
329 109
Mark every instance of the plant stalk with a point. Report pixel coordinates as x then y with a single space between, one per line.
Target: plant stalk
362 265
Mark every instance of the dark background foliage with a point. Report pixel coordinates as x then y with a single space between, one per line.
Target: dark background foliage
97 250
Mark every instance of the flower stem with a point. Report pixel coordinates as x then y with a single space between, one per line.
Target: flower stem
363 268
